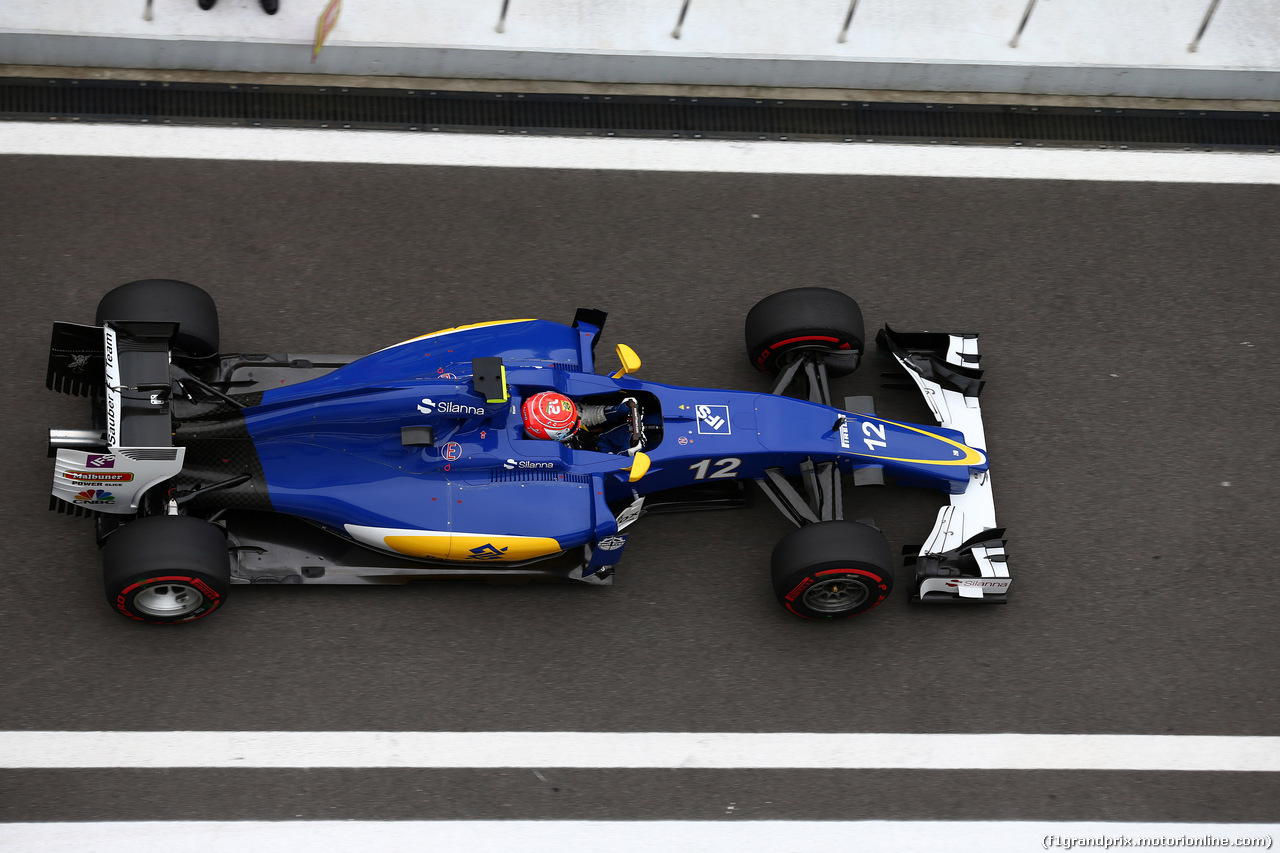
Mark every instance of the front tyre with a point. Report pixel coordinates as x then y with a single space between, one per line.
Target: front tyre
807 319
166 569
832 570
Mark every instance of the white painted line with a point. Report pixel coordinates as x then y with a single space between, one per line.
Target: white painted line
623 836
726 751
669 155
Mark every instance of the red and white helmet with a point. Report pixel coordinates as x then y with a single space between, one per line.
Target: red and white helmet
550 415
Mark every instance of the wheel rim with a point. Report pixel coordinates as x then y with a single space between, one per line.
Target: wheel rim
168 599
835 595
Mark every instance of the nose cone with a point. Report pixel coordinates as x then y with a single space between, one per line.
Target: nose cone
934 457
908 444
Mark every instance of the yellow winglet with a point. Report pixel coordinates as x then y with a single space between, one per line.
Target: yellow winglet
639 466
630 361
506 393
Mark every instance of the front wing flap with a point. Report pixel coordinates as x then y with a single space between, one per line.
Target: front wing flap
963 559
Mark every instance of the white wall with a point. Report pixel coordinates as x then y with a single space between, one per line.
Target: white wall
1097 47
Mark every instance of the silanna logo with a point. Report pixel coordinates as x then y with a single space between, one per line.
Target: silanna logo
959 583
512 464
446 407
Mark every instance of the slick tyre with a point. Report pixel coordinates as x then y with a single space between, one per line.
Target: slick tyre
162 300
166 569
832 569
807 318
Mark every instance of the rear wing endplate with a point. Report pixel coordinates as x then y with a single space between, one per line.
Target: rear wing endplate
128 364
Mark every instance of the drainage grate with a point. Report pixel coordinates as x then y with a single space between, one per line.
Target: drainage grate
630 116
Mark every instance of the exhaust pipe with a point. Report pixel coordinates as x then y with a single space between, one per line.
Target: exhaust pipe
76 439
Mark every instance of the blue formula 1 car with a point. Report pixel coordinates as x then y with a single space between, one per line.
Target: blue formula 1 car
204 469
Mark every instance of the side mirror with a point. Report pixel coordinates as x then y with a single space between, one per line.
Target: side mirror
630 362
417 436
639 466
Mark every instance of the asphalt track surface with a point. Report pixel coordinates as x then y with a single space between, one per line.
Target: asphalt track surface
1129 334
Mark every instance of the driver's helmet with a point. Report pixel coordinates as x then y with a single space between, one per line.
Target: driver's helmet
550 415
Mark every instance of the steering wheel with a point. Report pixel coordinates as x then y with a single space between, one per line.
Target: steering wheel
635 425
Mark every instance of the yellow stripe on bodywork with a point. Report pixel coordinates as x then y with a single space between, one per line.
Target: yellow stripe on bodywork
971 456
466 547
462 547
450 331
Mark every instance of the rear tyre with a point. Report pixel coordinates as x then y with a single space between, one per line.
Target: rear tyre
781 326
162 300
166 568
832 569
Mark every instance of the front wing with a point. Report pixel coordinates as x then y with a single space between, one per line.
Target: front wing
963 559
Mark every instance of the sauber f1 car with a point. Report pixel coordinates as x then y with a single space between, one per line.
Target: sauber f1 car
204 469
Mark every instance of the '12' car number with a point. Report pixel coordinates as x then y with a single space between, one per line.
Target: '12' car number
869 429
724 468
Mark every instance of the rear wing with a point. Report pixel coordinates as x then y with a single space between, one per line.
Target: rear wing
963 559
76 355
124 367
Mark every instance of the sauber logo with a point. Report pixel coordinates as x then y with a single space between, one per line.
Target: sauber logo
111 417
113 379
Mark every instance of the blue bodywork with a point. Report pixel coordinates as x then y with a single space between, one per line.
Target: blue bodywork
331 450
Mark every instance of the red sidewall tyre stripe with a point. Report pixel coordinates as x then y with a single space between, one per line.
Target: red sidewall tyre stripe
773 348
808 581
212 598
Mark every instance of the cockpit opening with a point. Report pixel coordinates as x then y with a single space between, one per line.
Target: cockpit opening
621 422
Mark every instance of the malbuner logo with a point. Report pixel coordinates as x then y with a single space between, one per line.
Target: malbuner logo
447 407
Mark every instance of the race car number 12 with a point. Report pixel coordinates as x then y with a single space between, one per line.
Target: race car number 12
878 429
725 468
